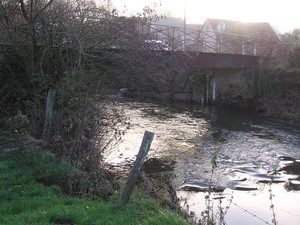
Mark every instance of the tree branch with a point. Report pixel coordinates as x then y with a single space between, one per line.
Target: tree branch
43 9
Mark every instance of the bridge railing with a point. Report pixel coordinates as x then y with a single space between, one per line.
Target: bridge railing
197 40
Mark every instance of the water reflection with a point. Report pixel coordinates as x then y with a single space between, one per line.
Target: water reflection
251 153
251 207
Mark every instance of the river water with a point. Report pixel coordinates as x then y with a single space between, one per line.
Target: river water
257 171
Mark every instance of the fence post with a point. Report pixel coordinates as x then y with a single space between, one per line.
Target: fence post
49 115
138 163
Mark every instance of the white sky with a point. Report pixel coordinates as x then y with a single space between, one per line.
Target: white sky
282 14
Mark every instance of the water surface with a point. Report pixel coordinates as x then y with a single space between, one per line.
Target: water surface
251 155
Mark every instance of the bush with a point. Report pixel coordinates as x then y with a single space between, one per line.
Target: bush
280 89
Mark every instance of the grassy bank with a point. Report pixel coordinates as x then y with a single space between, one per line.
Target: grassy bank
30 193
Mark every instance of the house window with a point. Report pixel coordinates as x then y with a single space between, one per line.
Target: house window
221 26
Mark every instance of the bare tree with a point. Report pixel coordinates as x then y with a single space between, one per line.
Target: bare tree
71 46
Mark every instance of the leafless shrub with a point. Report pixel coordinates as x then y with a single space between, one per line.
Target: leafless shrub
70 46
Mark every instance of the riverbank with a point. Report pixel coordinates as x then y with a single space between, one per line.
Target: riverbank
279 109
32 193
279 94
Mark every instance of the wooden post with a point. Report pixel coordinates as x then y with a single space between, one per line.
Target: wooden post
207 89
259 82
131 180
173 39
49 115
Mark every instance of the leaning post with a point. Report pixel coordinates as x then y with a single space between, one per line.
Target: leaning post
137 165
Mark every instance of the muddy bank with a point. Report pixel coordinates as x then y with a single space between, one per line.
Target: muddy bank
155 179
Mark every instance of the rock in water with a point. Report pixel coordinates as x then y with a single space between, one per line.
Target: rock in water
291 168
201 187
155 165
292 185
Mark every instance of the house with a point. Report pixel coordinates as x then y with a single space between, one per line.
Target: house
233 37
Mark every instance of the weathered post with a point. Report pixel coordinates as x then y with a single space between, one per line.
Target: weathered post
131 180
49 115
207 89
259 82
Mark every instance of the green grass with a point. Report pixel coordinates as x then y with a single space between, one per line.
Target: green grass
25 200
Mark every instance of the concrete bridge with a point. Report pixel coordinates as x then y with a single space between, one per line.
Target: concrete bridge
202 76
199 77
